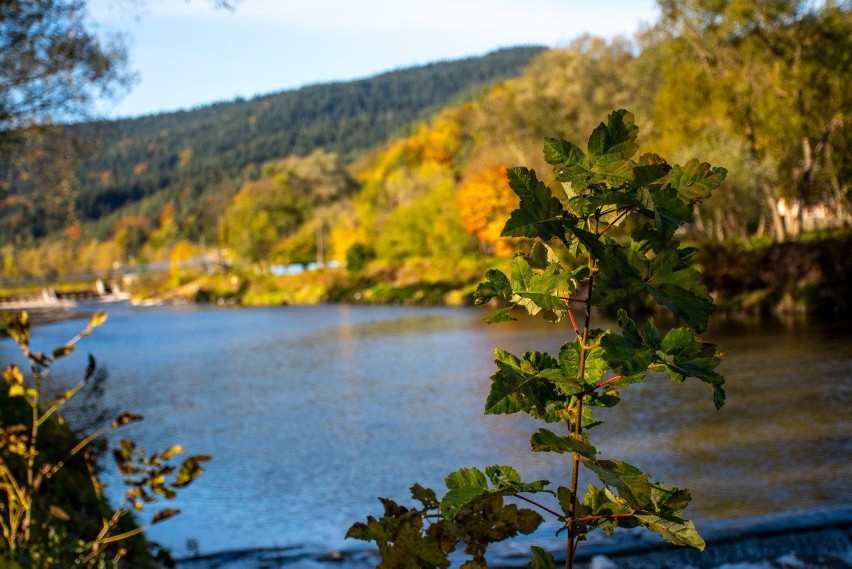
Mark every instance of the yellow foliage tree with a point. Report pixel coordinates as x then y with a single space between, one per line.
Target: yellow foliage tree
484 201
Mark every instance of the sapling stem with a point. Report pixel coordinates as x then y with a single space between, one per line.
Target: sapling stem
603 383
616 220
541 506
578 424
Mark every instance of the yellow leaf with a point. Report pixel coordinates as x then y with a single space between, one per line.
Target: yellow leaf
59 513
97 319
13 375
167 454
17 390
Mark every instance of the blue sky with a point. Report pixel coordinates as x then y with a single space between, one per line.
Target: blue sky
188 54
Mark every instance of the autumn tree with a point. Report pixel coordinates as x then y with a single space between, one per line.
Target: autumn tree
773 75
283 216
484 200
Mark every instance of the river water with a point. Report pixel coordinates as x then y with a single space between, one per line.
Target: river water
311 413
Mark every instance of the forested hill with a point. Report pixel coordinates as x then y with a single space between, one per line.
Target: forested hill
207 148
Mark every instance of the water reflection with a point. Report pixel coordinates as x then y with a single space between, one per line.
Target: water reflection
312 412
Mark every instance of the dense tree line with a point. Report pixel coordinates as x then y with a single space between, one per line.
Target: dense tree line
141 164
760 89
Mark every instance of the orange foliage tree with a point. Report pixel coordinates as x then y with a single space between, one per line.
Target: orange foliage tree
484 201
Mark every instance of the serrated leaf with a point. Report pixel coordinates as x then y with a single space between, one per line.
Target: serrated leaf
650 169
465 485
616 139
425 496
517 386
496 285
685 355
541 256
501 315
695 180
595 365
539 213
541 559
561 152
675 531
679 289
624 355
544 440
506 478
632 484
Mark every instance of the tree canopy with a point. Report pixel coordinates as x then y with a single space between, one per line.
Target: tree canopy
53 64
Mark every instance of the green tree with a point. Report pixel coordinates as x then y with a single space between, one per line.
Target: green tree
260 215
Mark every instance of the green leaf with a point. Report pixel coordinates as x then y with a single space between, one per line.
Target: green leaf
610 147
539 213
465 485
506 479
541 559
501 315
674 530
650 169
560 152
496 285
624 355
615 140
595 365
632 484
685 355
695 180
679 289
541 256
544 440
425 496
537 290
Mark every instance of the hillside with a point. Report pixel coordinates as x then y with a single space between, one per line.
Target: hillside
203 155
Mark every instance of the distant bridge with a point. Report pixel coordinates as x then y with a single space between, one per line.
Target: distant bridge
62 299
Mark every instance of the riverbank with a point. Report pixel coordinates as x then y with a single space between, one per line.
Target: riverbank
811 277
805 277
810 540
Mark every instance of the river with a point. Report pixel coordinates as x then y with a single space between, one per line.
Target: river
311 413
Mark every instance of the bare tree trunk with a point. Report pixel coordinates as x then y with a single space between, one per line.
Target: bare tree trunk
805 183
777 222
